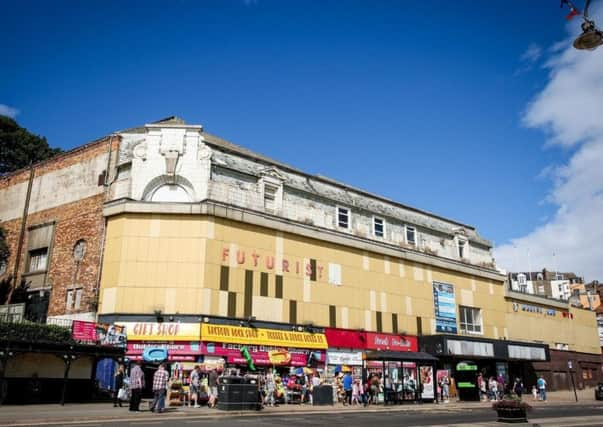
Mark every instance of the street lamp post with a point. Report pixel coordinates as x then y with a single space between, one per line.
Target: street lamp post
571 373
68 358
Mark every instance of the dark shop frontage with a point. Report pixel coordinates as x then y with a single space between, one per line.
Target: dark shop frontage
464 357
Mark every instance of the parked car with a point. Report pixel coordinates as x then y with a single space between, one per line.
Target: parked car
599 391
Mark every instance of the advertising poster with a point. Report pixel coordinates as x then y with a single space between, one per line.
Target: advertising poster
111 335
426 378
83 331
445 307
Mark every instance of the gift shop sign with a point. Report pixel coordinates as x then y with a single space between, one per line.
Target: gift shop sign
269 262
257 336
391 342
166 331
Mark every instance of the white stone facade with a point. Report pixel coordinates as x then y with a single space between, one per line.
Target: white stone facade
180 163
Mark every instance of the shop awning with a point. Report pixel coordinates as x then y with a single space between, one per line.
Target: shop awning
415 356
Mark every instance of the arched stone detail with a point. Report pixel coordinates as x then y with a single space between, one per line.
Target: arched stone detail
162 180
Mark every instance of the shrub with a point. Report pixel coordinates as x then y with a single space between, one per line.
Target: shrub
35 332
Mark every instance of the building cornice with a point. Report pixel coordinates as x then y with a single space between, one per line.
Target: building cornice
535 299
220 210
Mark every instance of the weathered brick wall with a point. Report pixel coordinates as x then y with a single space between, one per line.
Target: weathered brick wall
74 218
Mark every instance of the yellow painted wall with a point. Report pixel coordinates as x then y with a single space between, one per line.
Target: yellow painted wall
579 332
173 263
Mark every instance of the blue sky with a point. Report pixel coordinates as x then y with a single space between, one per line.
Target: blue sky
422 102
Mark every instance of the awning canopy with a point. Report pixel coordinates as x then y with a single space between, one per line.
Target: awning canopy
413 356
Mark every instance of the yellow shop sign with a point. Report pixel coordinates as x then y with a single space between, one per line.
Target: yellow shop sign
165 331
257 336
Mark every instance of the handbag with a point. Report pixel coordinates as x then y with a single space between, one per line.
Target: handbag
122 394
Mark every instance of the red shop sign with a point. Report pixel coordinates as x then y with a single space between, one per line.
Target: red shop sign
345 338
83 331
391 342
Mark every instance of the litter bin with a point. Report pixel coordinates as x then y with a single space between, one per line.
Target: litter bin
599 391
322 395
235 395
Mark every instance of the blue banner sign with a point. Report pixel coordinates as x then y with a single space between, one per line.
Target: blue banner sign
445 307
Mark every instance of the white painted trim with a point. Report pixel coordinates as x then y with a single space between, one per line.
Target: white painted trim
406 227
384 227
337 226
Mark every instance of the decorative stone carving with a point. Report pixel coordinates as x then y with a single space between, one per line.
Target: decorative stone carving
140 151
204 152
273 173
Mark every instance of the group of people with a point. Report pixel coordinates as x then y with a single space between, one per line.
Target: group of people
494 389
353 391
131 387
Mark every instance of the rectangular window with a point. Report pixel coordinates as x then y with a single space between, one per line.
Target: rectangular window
224 278
419 326
343 217
332 316
335 274
270 192
69 302
379 322
461 245
394 323
232 304
38 259
278 287
470 319
78 299
293 312
378 227
313 268
264 285
248 295
411 235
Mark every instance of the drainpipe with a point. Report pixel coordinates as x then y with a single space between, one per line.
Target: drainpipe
107 183
21 234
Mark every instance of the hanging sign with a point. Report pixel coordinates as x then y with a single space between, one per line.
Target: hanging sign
257 336
279 357
445 307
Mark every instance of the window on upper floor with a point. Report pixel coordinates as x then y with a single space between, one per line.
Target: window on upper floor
378 227
462 248
521 279
539 276
74 299
270 193
343 217
470 320
559 276
38 259
411 235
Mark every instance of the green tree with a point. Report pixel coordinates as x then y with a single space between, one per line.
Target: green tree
19 148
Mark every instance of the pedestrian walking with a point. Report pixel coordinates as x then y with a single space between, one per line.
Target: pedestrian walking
518 387
136 386
347 388
119 386
160 380
541 383
195 385
212 382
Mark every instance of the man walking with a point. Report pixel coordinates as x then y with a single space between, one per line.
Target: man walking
212 382
136 386
195 385
541 383
160 380
347 388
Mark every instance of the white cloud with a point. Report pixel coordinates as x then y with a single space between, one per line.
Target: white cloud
7 110
570 112
532 53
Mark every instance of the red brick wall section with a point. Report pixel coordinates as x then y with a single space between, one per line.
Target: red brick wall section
74 221
82 219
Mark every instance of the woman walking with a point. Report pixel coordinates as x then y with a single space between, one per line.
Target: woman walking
119 384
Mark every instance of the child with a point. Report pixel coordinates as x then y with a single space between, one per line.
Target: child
355 393
534 393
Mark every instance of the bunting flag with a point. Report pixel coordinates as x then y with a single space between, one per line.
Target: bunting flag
573 9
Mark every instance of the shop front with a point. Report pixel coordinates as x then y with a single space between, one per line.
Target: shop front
176 344
465 358
246 348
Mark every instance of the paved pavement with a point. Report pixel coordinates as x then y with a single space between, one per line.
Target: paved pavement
545 413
